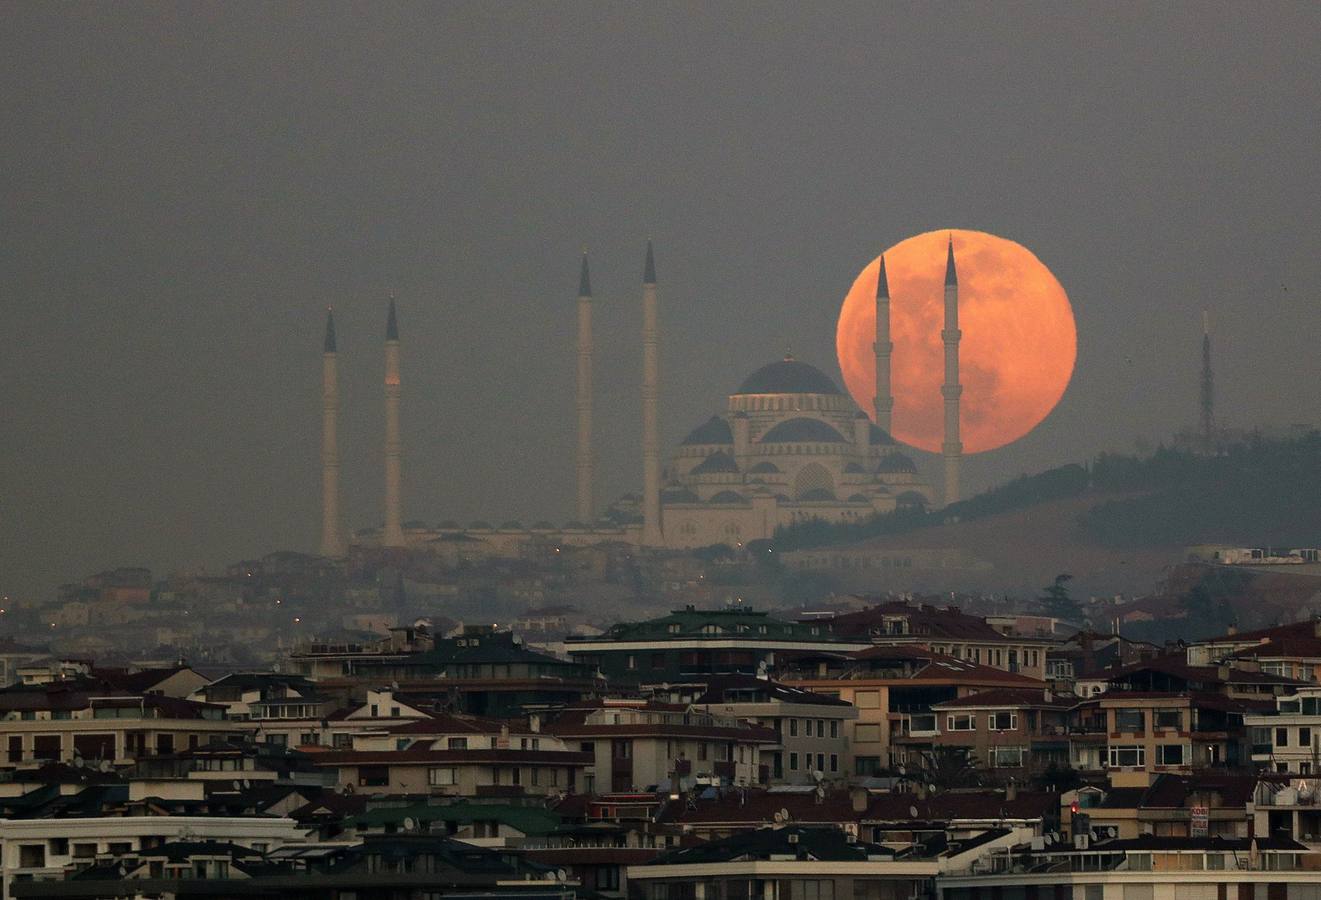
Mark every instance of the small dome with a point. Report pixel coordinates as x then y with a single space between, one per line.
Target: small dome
879 437
512 525
858 498
765 468
855 468
911 498
802 430
716 463
680 495
817 494
543 525
450 525
788 376
783 498
480 524
728 497
578 525
714 430
896 463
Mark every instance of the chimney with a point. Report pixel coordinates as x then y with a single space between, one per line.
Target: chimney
859 798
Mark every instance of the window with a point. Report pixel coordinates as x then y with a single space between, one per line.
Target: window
342 741
394 712
866 734
793 762
1171 755
442 776
834 762
59 846
961 722
1006 757
867 699
864 766
793 728
621 749
834 728
376 710
1003 721
457 743
373 776
1131 720
1130 755
277 740
1281 737
84 851
31 856
1305 737
820 762
632 661
1167 718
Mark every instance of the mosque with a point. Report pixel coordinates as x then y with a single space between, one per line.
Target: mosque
789 446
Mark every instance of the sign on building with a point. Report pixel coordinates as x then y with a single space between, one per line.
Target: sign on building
1200 823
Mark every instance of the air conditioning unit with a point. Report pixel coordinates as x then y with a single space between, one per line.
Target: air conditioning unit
1080 841
793 838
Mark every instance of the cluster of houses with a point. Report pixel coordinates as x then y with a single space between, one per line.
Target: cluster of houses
893 752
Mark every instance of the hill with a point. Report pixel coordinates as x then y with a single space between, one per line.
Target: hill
1116 524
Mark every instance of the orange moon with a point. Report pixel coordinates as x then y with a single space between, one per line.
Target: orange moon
1015 359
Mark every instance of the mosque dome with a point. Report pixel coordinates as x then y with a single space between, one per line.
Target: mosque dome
714 430
879 436
728 497
895 464
788 376
802 430
717 462
765 467
679 495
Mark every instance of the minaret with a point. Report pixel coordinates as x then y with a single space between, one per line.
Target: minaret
394 531
951 390
652 529
1208 390
332 537
585 514
882 349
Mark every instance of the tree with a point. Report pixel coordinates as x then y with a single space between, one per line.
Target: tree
947 768
1056 601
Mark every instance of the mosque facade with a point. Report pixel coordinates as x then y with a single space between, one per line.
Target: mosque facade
790 446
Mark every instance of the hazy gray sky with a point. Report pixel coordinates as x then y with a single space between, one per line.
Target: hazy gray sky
187 186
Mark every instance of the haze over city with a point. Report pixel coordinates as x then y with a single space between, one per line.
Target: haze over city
187 191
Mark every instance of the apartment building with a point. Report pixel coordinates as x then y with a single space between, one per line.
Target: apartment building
1014 731
640 744
893 688
1288 737
811 728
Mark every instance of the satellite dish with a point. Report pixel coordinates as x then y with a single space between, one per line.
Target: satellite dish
778 818
903 771
105 765
246 784
410 824
817 774
784 815
912 812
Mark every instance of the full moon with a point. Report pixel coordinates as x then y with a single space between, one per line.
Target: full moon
1016 356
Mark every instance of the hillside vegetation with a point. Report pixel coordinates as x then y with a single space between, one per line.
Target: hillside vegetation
1259 492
